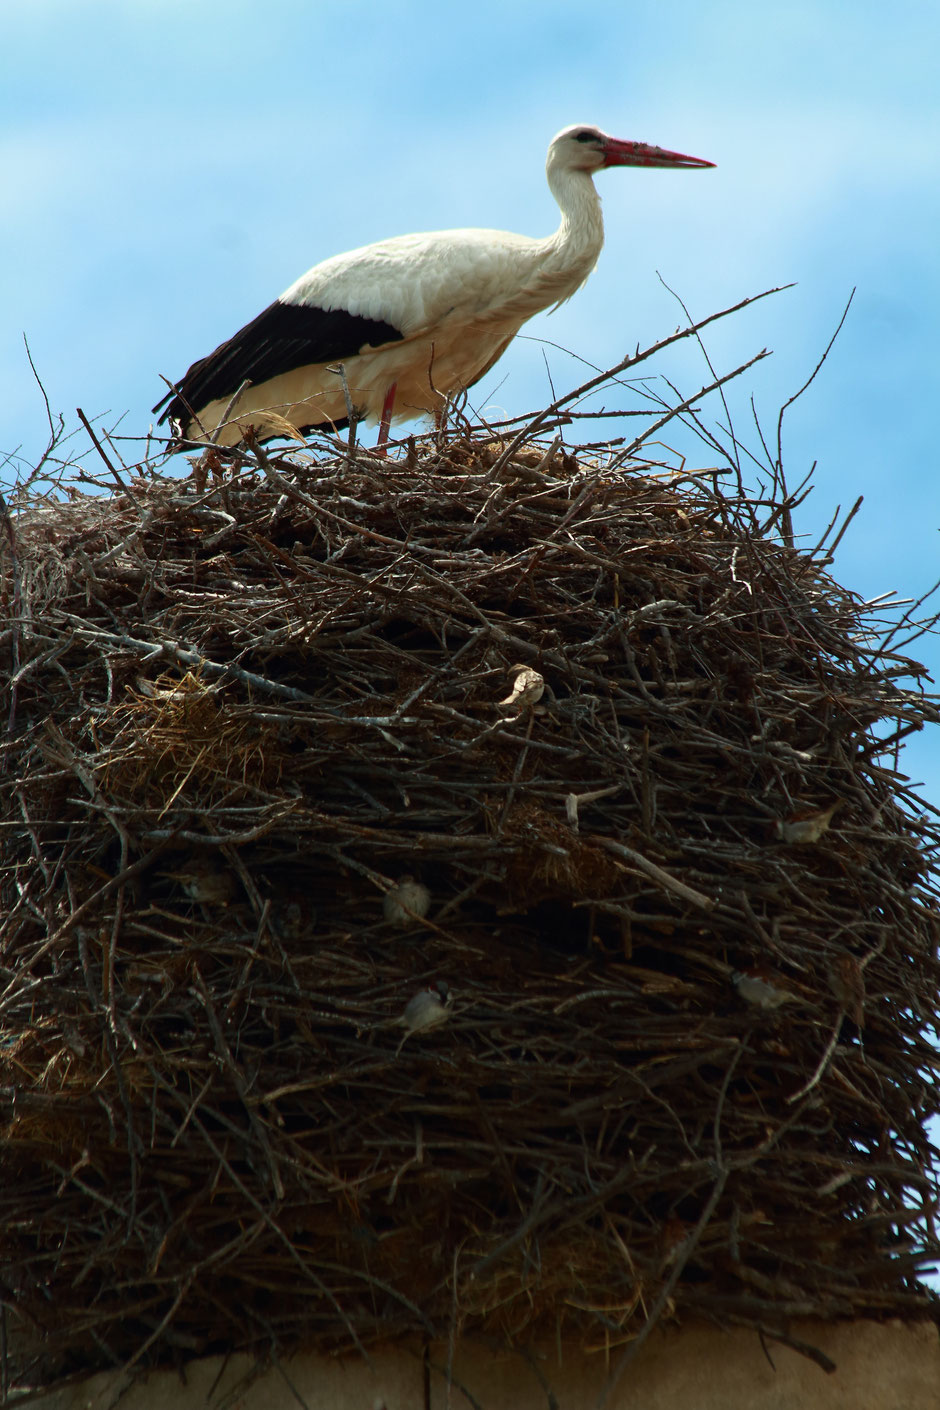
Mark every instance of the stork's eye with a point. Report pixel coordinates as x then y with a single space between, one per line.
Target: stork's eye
585 135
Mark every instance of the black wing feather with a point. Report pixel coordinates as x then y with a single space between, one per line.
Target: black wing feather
282 338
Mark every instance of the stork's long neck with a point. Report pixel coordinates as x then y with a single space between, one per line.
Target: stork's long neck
551 270
577 242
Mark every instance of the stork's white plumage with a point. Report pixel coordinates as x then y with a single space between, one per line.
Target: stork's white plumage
413 320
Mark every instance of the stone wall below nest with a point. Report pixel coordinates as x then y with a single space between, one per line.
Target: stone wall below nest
873 1366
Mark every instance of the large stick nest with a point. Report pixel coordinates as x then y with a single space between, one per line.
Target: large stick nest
245 706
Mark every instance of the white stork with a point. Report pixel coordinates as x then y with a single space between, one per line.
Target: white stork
413 320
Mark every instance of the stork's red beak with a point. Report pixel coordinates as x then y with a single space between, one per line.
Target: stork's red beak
618 153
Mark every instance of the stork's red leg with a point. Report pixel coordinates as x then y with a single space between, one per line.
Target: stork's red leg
386 419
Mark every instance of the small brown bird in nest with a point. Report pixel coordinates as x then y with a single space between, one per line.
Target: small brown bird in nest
760 989
427 1009
206 884
847 981
807 825
528 687
407 902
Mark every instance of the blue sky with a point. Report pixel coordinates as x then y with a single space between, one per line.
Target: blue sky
169 166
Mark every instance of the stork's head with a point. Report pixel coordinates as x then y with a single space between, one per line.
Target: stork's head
581 148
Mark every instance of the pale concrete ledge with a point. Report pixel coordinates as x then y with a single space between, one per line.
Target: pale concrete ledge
881 1366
